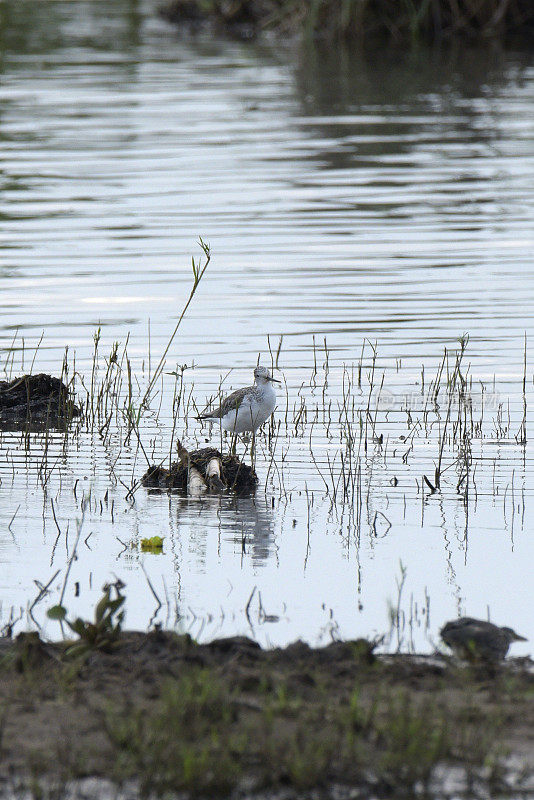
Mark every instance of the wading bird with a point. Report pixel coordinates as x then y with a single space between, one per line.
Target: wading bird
245 410
477 640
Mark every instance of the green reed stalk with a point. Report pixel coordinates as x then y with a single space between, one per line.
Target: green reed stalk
198 273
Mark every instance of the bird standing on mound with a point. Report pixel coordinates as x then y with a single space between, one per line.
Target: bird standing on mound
477 640
245 410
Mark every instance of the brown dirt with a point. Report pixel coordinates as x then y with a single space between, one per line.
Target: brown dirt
292 712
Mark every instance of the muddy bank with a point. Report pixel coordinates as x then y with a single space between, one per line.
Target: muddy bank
357 19
161 714
35 399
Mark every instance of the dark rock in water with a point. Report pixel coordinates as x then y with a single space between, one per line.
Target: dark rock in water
235 474
35 398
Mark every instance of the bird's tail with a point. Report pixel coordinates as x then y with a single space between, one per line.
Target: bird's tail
204 417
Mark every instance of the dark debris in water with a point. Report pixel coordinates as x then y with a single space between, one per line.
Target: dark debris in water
330 20
235 475
35 398
241 19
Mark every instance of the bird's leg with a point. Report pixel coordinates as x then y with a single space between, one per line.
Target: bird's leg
253 450
233 443
246 441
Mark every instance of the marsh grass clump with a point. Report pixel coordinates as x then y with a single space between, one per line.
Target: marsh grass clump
104 632
203 735
414 738
184 742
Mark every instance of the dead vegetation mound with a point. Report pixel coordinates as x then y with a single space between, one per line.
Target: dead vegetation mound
37 398
202 470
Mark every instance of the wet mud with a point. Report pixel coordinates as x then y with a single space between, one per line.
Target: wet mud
166 716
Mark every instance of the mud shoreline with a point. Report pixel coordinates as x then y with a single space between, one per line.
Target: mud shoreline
161 715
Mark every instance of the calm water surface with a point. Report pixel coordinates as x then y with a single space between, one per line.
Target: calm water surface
382 199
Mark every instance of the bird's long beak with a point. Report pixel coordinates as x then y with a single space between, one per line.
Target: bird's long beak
274 380
518 638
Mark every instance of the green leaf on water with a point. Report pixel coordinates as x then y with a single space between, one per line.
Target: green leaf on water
152 545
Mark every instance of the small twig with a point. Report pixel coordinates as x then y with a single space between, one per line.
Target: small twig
79 525
54 515
125 546
13 517
158 601
429 484
43 590
387 522
247 607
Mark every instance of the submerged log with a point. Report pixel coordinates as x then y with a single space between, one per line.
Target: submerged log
35 398
196 485
217 472
213 475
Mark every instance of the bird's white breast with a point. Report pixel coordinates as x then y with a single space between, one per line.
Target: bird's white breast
252 412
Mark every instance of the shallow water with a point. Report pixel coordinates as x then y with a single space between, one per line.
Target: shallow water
345 198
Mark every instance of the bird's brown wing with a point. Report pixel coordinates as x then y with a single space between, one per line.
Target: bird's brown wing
229 404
